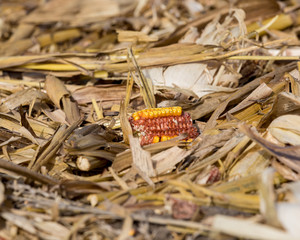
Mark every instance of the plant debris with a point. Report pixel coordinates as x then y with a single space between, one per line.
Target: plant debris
149 119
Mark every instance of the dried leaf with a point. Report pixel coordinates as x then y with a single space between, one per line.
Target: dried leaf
141 160
287 155
62 99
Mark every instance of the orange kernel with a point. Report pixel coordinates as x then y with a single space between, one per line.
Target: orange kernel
167 112
151 115
155 139
163 138
145 114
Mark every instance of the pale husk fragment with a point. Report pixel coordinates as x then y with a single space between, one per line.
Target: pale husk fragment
286 129
245 228
141 160
287 155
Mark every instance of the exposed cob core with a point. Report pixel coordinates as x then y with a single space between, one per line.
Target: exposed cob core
161 124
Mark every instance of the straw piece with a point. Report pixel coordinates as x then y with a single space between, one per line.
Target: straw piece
244 228
98 111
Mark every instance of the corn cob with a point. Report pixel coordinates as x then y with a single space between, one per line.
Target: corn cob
161 124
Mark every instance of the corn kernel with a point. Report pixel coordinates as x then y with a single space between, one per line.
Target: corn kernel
151 115
170 122
145 114
163 138
179 111
155 139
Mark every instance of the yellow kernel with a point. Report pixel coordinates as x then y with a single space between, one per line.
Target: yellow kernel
179 111
163 138
145 114
159 113
163 113
136 118
140 113
155 139
151 115
155 114
171 112
167 112
168 137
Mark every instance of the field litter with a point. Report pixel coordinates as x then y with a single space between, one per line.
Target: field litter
73 73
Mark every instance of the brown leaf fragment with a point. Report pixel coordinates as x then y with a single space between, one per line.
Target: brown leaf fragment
25 123
261 92
73 188
50 149
289 156
24 97
295 81
62 99
101 93
10 122
27 173
285 103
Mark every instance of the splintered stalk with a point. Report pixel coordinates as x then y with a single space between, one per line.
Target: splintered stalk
161 124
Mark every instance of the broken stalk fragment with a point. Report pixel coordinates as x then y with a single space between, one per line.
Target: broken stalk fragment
161 124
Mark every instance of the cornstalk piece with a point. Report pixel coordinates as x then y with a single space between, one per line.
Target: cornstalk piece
87 163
